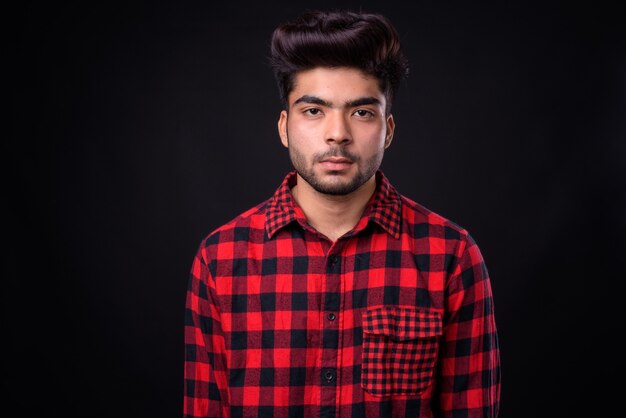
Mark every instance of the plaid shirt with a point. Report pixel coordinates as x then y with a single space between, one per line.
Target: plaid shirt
394 319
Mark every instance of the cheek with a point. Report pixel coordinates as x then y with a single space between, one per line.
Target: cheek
375 144
300 137
301 131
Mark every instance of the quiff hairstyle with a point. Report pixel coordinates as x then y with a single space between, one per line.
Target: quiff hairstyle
364 41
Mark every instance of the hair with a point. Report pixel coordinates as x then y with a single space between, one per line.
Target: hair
364 41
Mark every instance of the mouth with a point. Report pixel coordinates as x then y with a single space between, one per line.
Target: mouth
336 163
337 160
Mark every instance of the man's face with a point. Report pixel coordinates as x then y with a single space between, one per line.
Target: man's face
336 128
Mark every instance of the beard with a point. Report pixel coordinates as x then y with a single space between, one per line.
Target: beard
336 185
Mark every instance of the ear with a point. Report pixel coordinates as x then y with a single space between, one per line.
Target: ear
391 126
282 128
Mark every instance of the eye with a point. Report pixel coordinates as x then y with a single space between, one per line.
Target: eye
362 113
312 111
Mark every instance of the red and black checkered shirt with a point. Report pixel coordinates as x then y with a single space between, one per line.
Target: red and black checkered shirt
394 319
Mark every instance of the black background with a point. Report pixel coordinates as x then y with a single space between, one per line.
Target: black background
136 128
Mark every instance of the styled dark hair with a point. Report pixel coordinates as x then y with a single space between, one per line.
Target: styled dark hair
365 41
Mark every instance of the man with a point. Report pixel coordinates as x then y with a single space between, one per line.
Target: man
339 297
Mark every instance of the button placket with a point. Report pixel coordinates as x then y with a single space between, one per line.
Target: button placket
331 335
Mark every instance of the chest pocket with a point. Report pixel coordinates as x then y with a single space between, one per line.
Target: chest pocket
400 348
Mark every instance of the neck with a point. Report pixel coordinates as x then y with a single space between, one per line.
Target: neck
332 215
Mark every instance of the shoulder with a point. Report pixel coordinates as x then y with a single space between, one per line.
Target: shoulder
438 243
249 225
421 222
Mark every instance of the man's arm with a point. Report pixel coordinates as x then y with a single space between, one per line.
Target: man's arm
205 378
469 369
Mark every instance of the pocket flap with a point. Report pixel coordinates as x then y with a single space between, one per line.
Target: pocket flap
402 323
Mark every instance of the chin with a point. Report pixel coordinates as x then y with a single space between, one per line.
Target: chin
336 187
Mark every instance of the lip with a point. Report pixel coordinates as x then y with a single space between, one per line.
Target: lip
336 163
337 160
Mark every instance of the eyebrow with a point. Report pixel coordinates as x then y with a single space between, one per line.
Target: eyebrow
362 101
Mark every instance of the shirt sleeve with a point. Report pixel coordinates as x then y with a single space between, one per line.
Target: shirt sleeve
204 373
469 369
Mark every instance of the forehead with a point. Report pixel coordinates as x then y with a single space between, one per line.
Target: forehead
335 84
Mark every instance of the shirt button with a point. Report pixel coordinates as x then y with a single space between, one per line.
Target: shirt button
329 375
331 316
333 259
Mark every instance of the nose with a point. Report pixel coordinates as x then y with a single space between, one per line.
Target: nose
337 129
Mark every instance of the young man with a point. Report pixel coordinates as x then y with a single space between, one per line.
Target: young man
339 297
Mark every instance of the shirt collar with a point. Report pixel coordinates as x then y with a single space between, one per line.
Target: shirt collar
384 208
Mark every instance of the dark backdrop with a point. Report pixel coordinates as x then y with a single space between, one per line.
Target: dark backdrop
136 128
